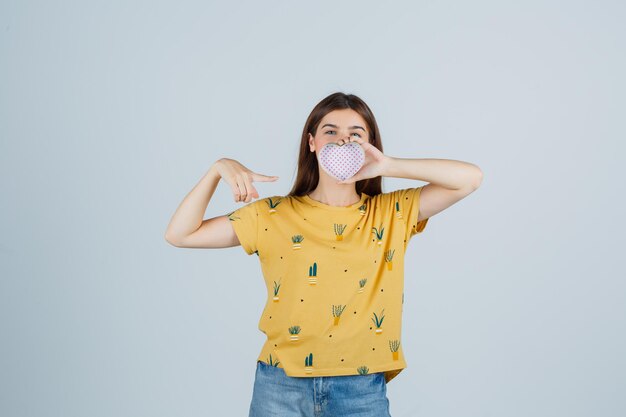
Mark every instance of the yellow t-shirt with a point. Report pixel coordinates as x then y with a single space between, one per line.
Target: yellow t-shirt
335 280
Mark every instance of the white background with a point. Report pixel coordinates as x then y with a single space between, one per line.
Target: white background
111 111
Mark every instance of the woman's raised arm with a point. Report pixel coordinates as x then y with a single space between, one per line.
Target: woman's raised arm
187 229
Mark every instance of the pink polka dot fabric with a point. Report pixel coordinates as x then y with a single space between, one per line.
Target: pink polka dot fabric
341 161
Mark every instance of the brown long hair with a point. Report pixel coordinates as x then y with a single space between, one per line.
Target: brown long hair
308 169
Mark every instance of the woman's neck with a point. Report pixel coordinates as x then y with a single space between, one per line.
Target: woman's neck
333 194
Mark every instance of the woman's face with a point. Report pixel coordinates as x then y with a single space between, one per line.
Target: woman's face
338 125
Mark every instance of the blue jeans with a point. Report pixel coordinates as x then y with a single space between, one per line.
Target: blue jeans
277 394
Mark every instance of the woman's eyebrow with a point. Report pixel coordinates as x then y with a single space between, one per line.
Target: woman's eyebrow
350 127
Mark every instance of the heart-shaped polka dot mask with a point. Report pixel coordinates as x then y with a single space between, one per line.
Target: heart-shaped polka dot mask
341 161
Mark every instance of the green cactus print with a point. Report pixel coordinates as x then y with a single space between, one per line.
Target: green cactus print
337 310
294 331
394 346
296 241
276 289
398 211
389 258
271 362
272 204
339 228
362 283
379 233
379 321
363 370
308 364
313 274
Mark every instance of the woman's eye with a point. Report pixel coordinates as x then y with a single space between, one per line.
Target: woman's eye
328 131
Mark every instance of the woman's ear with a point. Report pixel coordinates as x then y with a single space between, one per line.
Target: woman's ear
311 143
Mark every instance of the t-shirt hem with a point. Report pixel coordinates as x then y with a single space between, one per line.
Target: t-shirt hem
391 369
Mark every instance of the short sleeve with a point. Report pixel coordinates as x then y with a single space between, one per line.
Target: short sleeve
245 221
409 204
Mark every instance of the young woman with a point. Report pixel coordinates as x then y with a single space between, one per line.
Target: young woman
332 256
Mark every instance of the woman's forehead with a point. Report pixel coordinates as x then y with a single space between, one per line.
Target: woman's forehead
343 118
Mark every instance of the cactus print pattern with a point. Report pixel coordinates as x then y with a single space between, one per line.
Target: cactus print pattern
334 278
